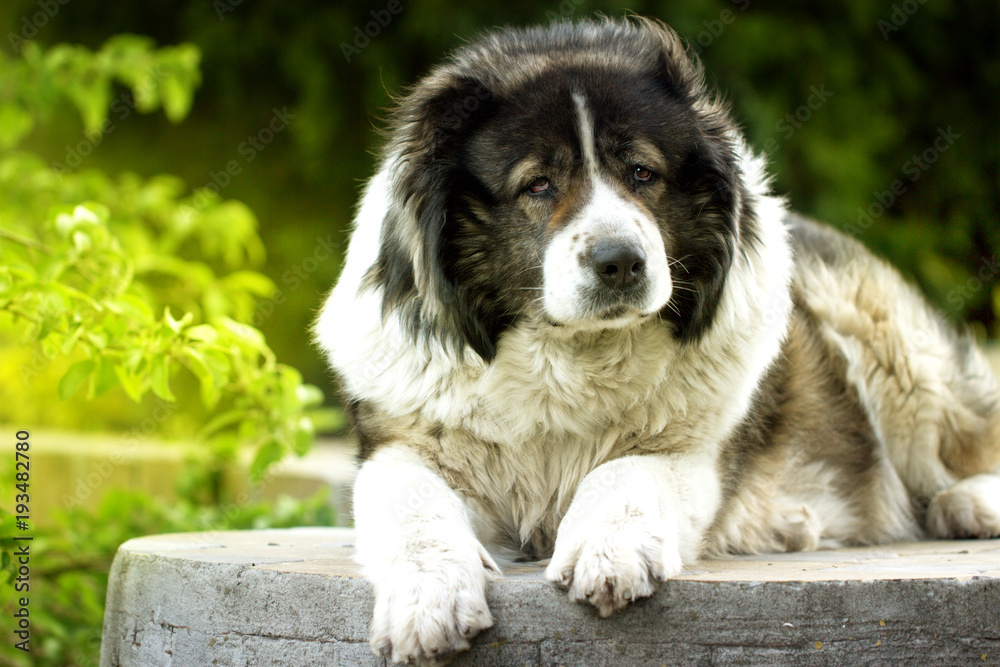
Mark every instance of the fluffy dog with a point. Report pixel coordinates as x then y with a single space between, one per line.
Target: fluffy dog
574 321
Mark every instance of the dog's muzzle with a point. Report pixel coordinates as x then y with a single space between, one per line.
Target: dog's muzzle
619 263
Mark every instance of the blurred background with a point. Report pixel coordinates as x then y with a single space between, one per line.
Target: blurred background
892 90
879 118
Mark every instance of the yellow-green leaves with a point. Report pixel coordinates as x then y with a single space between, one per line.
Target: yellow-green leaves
156 78
134 283
74 377
15 124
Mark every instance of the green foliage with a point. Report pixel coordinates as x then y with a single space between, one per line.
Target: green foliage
135 281
72 557
128 284
32 84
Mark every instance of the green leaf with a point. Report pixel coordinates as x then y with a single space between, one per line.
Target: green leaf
82 241
245 333
252 282
104 378
72 339
177 98
91 213
160 378
195 361
15 123
287 397
220 364
130 382
270 452
90 91
97 338
46 326
132 307
202 332
304 435
176 325
309 395
74 377
220 422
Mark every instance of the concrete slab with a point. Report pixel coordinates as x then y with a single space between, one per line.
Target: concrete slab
295 597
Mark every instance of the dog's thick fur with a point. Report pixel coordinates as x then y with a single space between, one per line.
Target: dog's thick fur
575 322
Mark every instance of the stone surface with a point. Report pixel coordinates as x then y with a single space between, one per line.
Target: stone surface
295 597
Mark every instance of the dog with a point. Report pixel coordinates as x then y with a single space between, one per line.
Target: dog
575 322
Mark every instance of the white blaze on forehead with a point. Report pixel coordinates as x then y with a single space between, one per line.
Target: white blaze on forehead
585 125
570 282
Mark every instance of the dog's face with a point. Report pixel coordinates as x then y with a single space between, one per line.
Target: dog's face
583 181
586 185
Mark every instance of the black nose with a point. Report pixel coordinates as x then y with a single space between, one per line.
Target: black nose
619 263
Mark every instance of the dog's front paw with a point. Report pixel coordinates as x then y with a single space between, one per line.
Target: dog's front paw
969 508
614 562
429 605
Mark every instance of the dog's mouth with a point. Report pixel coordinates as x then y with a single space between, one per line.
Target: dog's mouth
613 313
611 317
619 307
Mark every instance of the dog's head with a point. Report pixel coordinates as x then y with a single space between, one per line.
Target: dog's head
578 174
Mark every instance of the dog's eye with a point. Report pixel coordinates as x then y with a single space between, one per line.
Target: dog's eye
538 186
642 174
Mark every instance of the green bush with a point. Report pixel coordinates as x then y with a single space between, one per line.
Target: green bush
130 288
133 280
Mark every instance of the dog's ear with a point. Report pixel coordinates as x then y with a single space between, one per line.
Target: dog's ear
707 246
712 178
424 155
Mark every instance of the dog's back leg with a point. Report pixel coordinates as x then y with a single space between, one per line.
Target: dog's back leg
930 395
